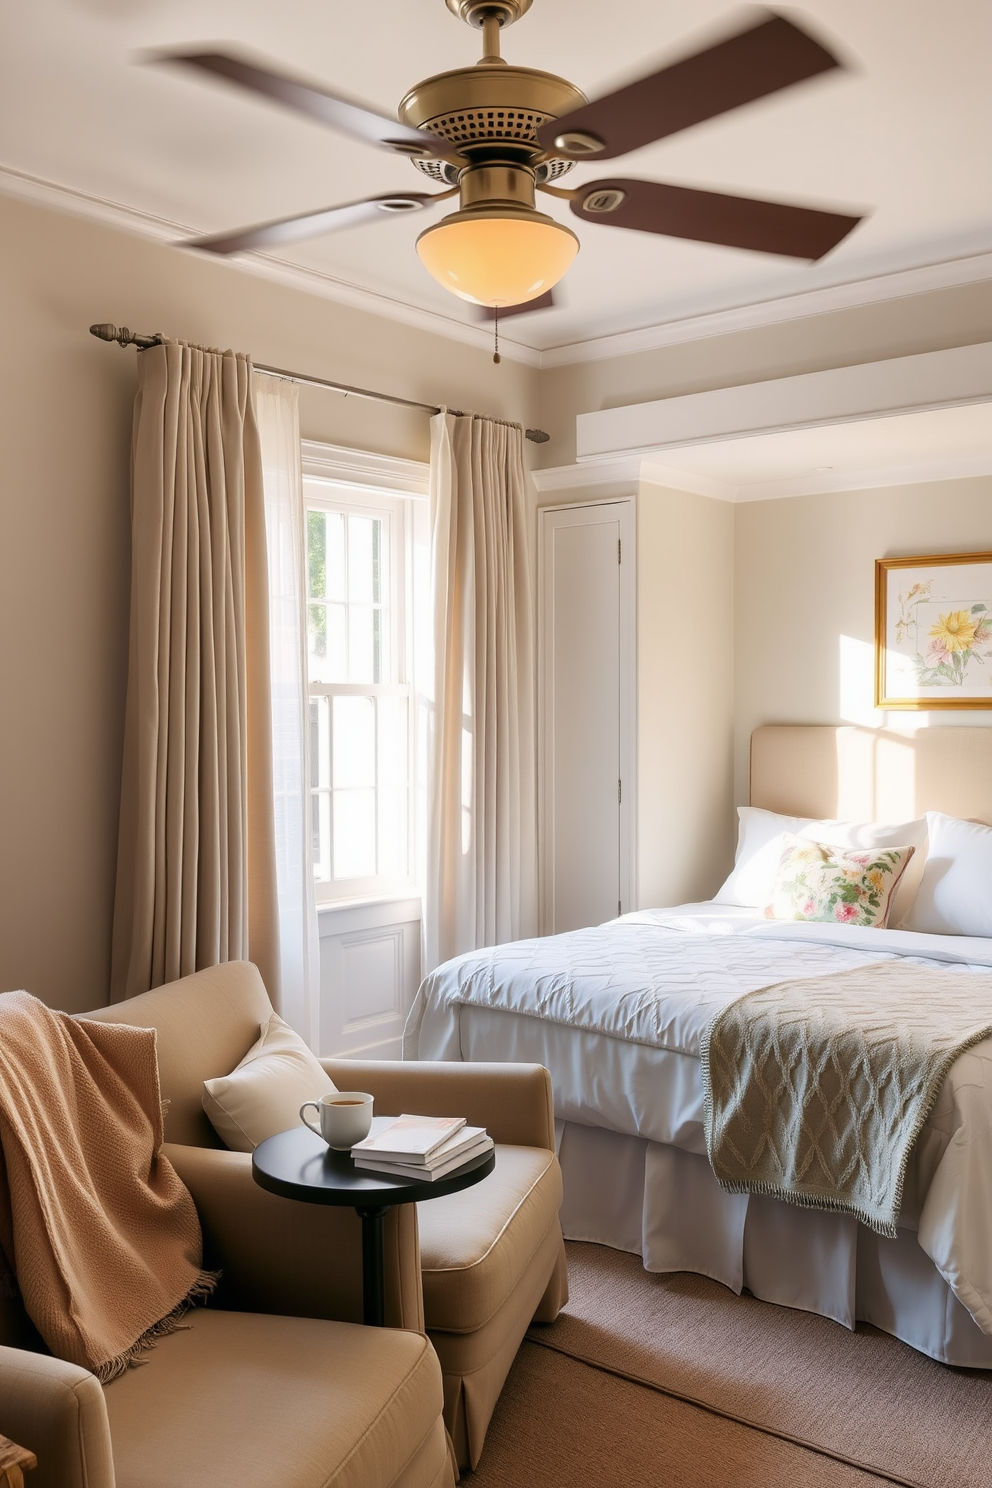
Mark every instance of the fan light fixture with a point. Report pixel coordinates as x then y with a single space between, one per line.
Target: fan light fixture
497 258
493 134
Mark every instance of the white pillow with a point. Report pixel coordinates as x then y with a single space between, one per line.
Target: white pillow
264 1094
759 849
955 894
760 845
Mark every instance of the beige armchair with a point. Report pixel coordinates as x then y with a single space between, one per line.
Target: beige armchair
473 1269
272 1386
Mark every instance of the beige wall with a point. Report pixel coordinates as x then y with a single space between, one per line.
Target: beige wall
804 622
65 412
685 691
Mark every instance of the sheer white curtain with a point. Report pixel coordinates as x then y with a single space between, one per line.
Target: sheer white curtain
481 875
277 415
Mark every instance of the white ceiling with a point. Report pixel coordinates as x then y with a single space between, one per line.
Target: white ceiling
935 444
902 135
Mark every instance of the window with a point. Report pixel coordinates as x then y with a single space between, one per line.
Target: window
358 635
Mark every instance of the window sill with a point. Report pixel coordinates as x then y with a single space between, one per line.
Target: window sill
366 912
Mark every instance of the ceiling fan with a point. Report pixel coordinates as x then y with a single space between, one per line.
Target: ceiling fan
494 134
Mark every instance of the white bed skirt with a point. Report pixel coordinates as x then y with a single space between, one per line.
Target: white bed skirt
664 1204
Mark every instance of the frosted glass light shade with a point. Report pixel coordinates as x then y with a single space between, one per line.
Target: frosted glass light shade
497 260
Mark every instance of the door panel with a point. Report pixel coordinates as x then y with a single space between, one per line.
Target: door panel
581 663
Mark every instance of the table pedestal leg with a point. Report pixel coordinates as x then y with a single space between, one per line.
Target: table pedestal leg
373 1287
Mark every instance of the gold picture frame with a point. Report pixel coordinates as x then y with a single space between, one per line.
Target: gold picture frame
933 631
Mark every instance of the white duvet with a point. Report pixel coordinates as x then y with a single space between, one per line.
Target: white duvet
617 1012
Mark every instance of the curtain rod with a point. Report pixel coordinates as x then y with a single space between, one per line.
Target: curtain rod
107 332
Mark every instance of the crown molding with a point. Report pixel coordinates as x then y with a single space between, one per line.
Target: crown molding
385 474
36 190
900 284
626 470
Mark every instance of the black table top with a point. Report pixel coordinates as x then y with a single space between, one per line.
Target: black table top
297 1164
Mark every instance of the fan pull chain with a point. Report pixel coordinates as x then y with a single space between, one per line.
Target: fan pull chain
496 356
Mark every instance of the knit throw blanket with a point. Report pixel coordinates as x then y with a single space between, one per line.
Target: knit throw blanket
815 1090
97 1228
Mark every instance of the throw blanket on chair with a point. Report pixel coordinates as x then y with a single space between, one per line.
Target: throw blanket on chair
815 1090
100 1232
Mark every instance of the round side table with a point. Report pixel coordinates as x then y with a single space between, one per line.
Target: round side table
297 1164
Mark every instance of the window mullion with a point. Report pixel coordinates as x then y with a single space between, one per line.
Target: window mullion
360 689
330 787
377 794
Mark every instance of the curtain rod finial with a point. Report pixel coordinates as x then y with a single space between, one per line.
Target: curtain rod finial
124 337
107 332
536 436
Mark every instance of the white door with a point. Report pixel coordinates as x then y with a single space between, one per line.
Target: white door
585 680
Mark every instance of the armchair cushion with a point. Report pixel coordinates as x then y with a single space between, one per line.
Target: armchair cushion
263 1094
240 1401
473 1254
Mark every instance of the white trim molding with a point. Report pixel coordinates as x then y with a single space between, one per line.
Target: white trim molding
870 390
905 421
625 470
386 475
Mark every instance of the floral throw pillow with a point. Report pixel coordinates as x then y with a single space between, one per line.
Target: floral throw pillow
848 886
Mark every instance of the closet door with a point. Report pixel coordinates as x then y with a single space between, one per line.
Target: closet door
585 679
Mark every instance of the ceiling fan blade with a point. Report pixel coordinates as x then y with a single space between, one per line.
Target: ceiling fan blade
317 103
711 217
543 302
771 55
312 224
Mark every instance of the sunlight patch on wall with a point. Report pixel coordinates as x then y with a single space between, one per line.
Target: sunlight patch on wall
856 701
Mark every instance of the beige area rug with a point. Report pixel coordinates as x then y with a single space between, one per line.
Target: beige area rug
862 1398
563 1424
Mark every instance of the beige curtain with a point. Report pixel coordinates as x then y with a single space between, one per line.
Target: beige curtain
195 868
481 872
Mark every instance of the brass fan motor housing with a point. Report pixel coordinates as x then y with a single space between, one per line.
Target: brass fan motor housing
490 105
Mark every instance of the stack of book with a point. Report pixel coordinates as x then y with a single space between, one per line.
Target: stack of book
424 1147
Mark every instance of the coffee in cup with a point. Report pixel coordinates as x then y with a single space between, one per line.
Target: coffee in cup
344 1117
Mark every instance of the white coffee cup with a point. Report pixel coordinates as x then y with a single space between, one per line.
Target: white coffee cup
344 1117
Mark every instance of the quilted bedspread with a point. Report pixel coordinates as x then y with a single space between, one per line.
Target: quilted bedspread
656 980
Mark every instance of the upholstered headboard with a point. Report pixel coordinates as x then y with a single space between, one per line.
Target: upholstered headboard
872 774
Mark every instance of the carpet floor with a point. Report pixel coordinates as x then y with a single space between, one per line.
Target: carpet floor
561 1424
670 1380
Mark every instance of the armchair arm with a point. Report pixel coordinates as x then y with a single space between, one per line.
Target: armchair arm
58 1412
513 1101
289 1258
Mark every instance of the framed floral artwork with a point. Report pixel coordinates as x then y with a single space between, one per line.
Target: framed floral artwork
933 631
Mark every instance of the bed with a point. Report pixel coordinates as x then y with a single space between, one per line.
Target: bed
617 1014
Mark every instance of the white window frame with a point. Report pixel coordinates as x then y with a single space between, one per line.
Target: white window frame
393 489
